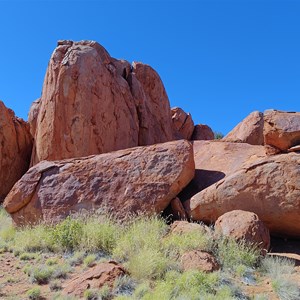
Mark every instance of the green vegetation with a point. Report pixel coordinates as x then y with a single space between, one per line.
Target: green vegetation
148 251
218 135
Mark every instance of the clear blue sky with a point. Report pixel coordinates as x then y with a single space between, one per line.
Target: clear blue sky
219 60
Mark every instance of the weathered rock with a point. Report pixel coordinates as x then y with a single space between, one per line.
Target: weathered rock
294 149
175 210
250 130
103 274
202 132
183 125
182 227
152 105
142 179
244 226
92 103
281 129
15 150
269 187
199 260
214 160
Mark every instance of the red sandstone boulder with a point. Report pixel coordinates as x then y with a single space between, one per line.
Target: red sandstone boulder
15 150
175 210
199 260
281 129
244 226
182 227
92 103
202 132
183 125
269 187
142 179
250 130
215 159
103 274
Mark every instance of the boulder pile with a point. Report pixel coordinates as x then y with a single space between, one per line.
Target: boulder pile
103 134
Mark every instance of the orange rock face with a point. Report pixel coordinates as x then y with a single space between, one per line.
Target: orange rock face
15 151
183 125
244 226
142 179
92 103
269 187
281 129
214 160
103 274
250 130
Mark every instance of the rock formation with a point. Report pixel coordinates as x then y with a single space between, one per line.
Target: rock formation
269 187
142 179
244 226
281 129
15 150
104 273
215 159
250 130
202 132
92 103
183 125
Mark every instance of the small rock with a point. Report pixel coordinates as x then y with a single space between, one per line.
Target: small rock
199 260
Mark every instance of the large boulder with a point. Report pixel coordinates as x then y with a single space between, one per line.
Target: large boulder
281 129
15 150
183 125
105 273
250 130
244 226
216 159
92 103
269 187
202 132
142 179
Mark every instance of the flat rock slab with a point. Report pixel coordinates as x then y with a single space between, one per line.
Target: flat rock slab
142 179
95 278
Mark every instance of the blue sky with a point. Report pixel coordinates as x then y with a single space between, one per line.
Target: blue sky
219 60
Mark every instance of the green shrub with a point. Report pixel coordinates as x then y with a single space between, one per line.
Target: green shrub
52 261
61 271
91 294
89 260
34 293
218 135
286 289
40 274
144 232
68 233
55 285
27 256
77 258
233 255
275 266
99 235
177 244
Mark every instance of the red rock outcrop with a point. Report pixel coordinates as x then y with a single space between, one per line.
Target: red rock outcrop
15 150
250 130
244 226
199 260
142 179
202 132
183 125
214 160
104 273
281 129
92 103
269 187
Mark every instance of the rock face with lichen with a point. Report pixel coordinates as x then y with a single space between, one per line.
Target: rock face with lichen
92 103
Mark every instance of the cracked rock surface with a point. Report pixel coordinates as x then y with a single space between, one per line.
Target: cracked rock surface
92 103
142 179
